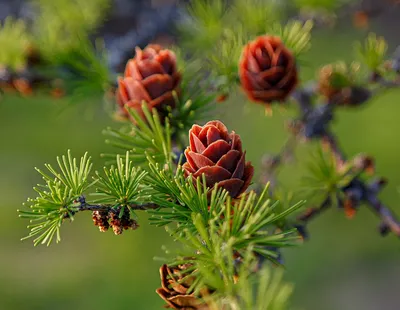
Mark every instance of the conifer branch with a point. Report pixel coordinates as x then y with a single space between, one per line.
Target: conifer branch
314 123
227 234
84 206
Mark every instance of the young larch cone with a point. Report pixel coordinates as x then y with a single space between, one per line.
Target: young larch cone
100 219
174 290
326 86
338 85
119 224
151 76
267 70
218 154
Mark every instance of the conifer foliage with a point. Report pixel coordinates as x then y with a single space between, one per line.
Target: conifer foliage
185 169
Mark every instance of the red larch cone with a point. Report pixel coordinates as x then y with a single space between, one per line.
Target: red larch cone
175 291
218 154
151 76
267 70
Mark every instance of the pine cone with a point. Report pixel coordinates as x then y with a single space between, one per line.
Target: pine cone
219 156
175 291
151 76
267 70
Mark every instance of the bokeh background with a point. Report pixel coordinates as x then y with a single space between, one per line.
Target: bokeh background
345 265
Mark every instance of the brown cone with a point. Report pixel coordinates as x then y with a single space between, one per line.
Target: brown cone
100 219
219 156
325 86
175 291
267 70
151 76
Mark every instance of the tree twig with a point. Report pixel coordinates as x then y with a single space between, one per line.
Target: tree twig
313 123
84 206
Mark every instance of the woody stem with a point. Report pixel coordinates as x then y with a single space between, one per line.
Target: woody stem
84 206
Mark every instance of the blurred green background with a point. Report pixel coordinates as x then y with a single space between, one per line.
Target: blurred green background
345 265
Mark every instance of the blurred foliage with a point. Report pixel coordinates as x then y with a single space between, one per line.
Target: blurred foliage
373 52
263 290
143 138
256 16
204 24
14 42
342 74
86 73
296 35
59 24
324 179
216 32
329 5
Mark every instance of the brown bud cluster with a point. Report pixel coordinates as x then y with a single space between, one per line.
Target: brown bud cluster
106 218
175 283
218 154
267 70
364 163
120 224
100 219
25 82
336 83
151 76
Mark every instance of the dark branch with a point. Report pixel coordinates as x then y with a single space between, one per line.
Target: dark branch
331 141
389 222
84 206
313 212
314 123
